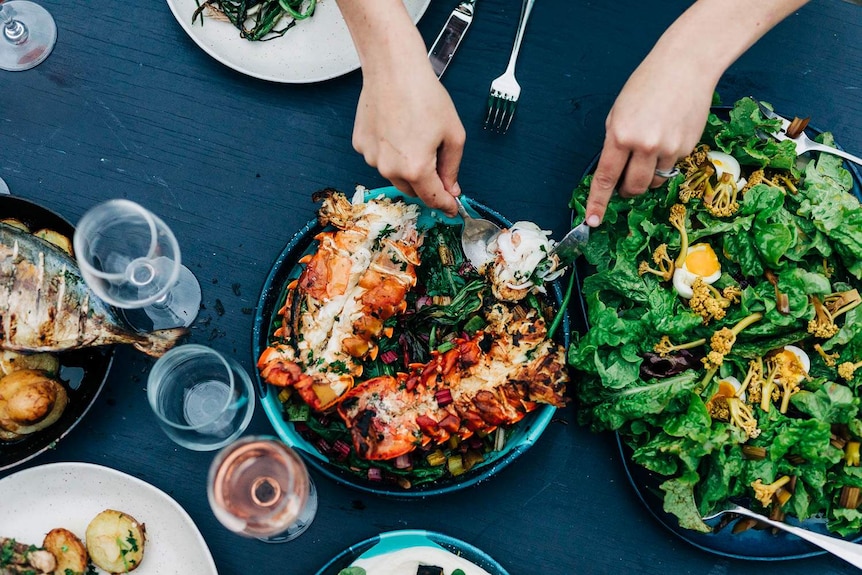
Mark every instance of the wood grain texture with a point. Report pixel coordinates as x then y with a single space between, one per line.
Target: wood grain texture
128 106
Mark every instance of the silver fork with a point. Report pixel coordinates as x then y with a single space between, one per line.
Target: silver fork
847 550
505 90
802 141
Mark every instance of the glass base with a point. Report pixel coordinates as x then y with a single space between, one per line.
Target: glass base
178 308
303 522
28 36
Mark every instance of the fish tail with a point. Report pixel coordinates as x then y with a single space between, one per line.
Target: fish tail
157 343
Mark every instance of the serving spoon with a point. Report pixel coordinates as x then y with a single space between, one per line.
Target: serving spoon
847 550
477 235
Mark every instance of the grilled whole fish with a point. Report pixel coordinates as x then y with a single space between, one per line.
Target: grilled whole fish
45 305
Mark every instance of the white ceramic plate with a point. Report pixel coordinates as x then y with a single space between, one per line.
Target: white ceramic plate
69 495
316 49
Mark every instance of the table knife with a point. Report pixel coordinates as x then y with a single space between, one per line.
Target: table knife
447 42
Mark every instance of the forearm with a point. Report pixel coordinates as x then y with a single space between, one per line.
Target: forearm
712 34
383 33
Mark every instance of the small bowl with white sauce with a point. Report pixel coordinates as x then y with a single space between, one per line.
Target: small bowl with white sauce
407 551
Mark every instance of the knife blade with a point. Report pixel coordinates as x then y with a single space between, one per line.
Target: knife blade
450 36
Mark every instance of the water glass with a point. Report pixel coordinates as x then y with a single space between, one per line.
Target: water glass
202 399
259 487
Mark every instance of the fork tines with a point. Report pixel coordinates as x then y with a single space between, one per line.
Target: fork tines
501 110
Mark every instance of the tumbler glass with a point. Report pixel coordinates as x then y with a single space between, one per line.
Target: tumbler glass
202 399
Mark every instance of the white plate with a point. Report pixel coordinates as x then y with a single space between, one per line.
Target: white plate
316 49
69 495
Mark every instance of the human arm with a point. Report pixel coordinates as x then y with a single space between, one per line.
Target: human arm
661 111
406 124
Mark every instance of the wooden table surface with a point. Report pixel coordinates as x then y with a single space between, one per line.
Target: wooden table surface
128 106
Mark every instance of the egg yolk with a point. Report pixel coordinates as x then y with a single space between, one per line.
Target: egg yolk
702 261
726 388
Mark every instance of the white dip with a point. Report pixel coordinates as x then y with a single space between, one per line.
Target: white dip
405 561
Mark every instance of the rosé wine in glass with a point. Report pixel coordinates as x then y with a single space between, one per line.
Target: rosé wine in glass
259 487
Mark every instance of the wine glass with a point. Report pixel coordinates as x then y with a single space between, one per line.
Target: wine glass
29 34
130 258
259 487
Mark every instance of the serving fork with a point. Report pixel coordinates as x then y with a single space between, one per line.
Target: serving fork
847 550
505 90
802 141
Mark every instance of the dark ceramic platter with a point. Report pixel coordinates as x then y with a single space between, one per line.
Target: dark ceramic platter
753 544
83 372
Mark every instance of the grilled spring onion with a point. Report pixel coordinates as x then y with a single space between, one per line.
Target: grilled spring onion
257 19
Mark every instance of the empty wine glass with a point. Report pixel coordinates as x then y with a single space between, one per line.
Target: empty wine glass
259 487
130 258
29 34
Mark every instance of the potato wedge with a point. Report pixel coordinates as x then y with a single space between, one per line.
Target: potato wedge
68 550
14 360
15 223
115 541
54 237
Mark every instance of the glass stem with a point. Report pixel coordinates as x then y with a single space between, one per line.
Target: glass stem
13 30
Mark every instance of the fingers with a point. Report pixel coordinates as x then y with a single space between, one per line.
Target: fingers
449 160
431 190
639 174
664 164
611 164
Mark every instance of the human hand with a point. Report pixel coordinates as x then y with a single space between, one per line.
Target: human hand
657 118
407 127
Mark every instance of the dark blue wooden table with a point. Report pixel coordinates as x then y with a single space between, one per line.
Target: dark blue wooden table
128 106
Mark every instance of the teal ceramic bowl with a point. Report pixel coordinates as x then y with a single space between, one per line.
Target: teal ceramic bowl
396 540
525 433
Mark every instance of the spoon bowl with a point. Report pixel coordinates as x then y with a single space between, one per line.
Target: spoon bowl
476 236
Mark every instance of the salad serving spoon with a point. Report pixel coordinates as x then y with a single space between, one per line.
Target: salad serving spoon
847 550
802 141
477 235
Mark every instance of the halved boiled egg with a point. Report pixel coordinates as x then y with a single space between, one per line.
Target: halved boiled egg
700 262
724 163
797 361
729 387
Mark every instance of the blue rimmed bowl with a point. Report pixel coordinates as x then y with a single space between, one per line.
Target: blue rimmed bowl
396 540
521 437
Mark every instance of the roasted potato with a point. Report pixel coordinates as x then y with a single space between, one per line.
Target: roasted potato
30 401
115 541
53 237
15 223
68 550
13 361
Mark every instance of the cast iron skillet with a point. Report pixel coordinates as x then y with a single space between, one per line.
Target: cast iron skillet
83 372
